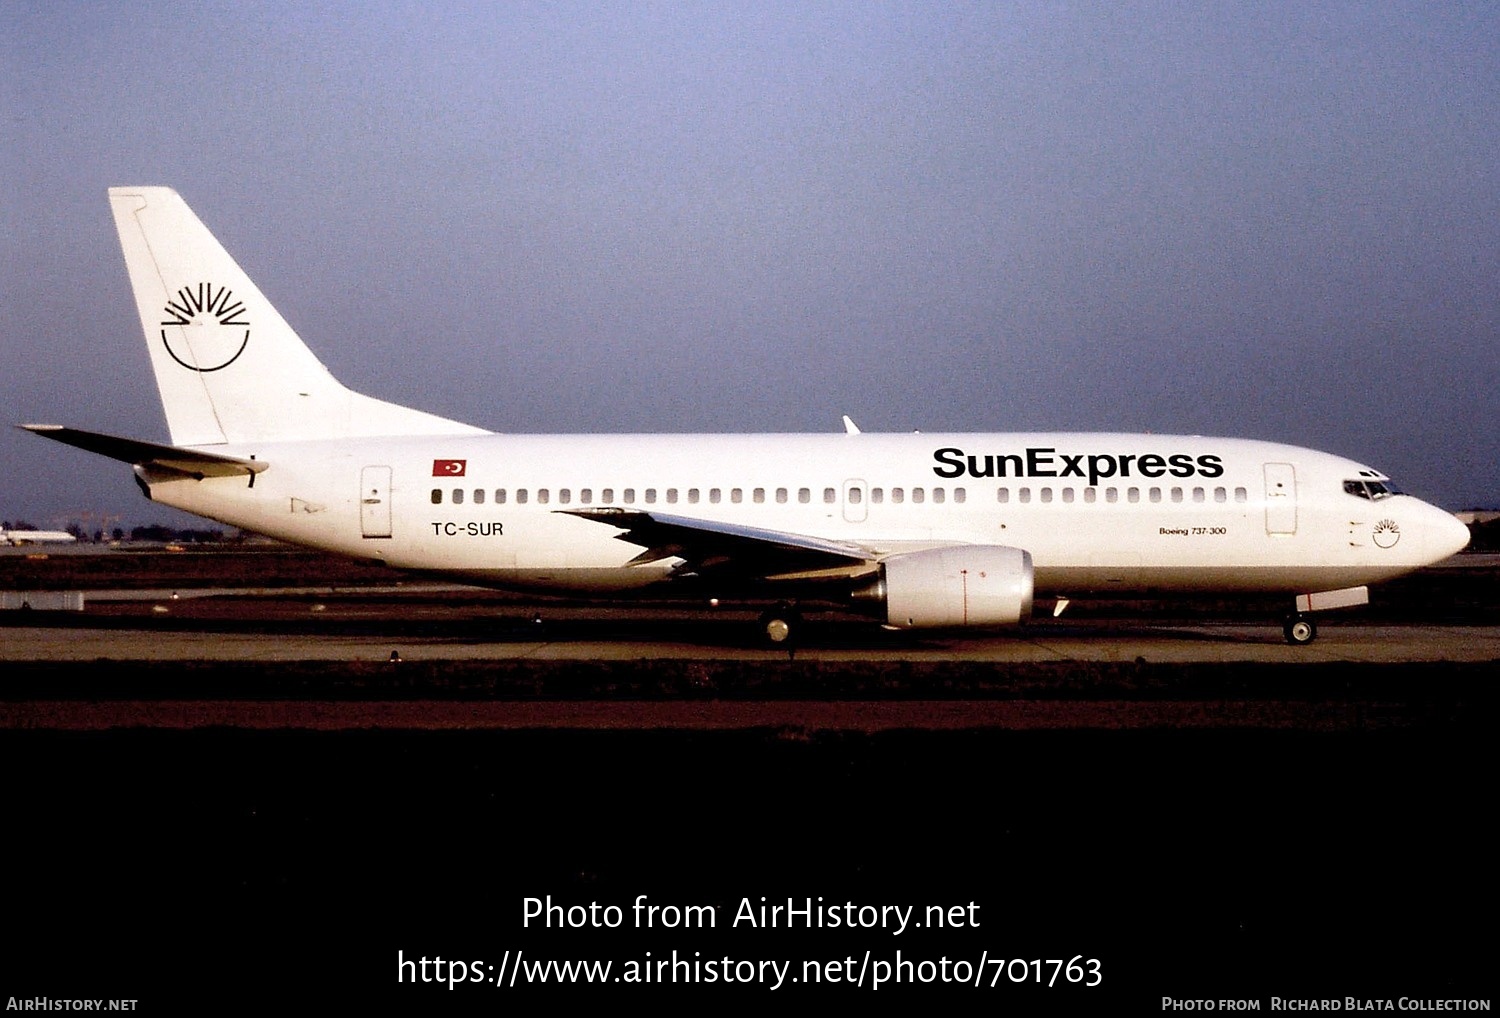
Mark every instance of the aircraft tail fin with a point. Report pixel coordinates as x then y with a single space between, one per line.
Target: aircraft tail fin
228 366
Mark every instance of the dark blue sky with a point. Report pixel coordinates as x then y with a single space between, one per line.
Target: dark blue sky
1273 221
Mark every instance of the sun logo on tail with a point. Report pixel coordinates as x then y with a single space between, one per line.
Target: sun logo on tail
206 329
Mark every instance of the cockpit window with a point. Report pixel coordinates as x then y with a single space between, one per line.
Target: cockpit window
1371 489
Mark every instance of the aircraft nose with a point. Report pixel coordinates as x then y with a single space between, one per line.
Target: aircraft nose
1449 535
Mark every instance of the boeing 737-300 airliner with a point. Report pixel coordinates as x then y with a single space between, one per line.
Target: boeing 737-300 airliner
919 530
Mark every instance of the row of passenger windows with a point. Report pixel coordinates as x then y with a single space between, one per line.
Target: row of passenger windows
693 496
1132 495
856 495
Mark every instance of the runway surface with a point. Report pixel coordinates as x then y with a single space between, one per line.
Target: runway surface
409 661
155 626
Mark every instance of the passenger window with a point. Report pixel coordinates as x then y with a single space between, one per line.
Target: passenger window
713 496
565 496
939 494
607 495
499 496
1067 494
1221 495
1111 495
830 496
960 494
919 494
437 496
1046 494
671 496
1155 494
543 496
898 495
521 496
736 495
630 496
781 496
1176 494
1133 495
479 496
586 496
804 495
758 496
650 496
1241 495
458 496
856 496
877 496
1090 495
692 496
1198 495
1002 495
1025 495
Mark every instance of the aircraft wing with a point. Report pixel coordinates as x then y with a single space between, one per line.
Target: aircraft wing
168 457
729 550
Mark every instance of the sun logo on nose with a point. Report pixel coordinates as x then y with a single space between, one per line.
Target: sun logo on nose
206 328
1387 533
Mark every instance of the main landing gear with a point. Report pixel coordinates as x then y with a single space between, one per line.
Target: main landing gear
1300 630
781 625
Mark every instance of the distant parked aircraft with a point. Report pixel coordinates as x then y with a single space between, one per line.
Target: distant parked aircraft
19 537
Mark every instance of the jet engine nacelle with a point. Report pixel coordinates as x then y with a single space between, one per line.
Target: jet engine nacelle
965 585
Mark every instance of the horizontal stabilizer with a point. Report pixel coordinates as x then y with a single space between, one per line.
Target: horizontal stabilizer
168 457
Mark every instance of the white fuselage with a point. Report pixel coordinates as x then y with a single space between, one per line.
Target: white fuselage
1099 513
